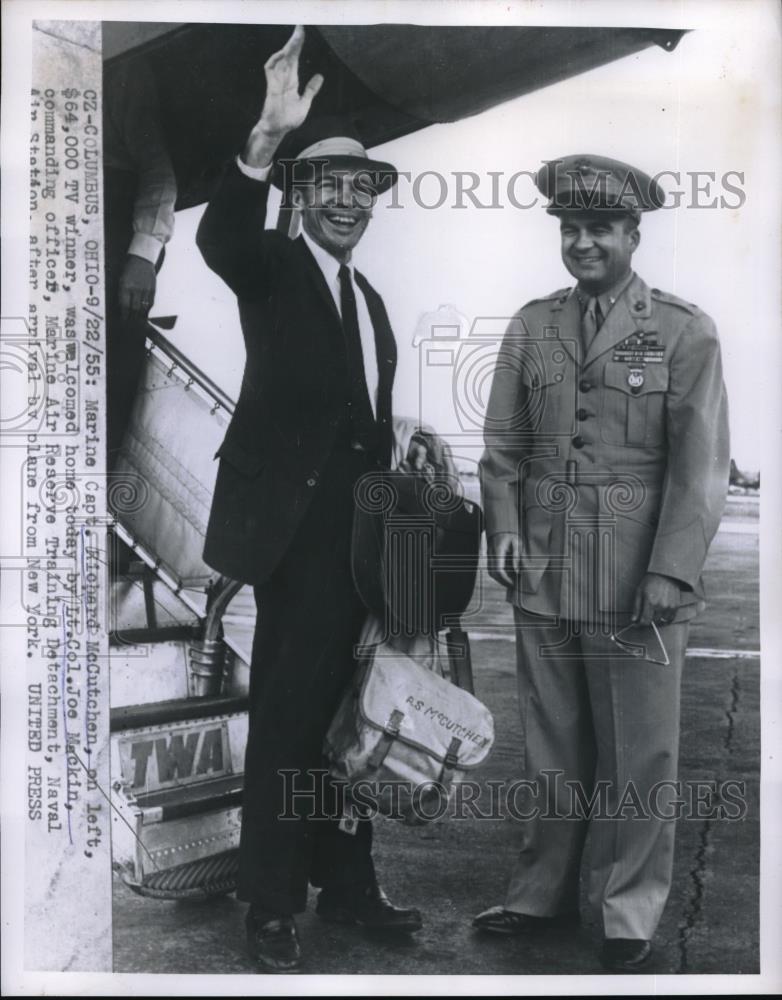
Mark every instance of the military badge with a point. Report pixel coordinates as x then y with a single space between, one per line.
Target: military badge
635 378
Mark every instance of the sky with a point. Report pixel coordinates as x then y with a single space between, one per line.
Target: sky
707 106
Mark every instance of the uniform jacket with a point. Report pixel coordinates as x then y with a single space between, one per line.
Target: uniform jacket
293 401
609 465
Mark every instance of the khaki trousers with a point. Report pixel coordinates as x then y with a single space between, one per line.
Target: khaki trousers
602 723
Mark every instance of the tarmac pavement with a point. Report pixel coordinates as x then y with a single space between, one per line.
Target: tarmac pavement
455 868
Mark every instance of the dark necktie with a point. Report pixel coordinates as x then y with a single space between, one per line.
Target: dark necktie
362 420
591 322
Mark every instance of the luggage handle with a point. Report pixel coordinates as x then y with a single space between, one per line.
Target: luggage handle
457 644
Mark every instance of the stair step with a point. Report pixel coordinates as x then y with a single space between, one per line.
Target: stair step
128 607
175 710
190 800
195 880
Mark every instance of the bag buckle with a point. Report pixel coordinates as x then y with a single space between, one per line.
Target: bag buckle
450 763
394 723
390 733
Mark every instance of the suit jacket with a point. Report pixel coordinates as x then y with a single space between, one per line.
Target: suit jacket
611 464
293 402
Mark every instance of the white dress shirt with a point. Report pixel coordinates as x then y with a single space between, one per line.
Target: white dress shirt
329 267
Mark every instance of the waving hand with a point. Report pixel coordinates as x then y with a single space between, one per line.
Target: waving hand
284 108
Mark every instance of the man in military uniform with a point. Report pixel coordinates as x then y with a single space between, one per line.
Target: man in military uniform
604 479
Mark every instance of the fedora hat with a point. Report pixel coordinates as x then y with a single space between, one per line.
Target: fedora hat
326 143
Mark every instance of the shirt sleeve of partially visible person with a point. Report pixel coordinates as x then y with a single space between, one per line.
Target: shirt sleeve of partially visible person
696 481
145 144
500 463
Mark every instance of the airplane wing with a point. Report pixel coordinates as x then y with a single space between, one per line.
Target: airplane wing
390 79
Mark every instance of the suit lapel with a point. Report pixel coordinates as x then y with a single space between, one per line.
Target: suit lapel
628 314
317 277
385 344
385 349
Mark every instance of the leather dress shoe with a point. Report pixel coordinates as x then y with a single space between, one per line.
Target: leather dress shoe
368 907
498 920
625 954
273 941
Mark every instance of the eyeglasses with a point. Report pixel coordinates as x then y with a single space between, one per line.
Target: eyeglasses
639 650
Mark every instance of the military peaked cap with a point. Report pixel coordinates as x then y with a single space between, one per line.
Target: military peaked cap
587 183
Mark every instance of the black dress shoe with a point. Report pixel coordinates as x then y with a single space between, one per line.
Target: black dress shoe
273 941
368 907
625 954
498 920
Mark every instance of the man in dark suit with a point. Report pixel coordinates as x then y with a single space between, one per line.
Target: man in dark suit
313 416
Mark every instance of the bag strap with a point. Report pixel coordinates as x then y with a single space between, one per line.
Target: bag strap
390 733
450 763
443 784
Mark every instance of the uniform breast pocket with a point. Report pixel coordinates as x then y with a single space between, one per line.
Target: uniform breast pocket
633 411
548 398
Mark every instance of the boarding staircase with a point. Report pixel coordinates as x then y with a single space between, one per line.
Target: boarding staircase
181 641
180 644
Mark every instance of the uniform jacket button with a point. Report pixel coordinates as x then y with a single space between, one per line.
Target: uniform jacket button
578 441
584 386
581 414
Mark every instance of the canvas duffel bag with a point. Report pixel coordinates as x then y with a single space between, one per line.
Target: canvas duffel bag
403 735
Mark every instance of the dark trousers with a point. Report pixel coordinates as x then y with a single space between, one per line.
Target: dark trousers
309 618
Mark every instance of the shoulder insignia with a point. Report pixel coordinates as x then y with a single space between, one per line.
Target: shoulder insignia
561 294
674 300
